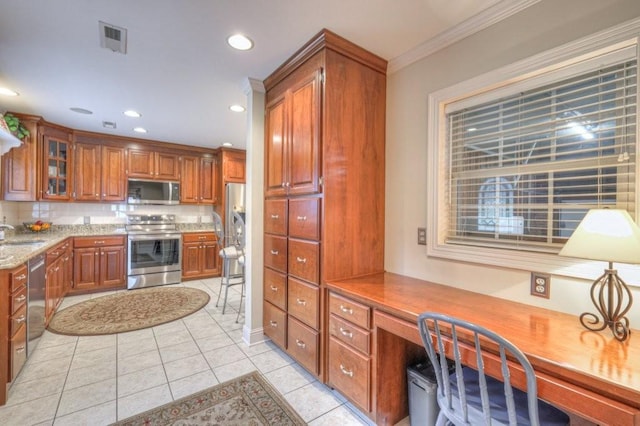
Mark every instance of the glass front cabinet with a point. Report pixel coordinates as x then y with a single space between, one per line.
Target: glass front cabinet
56 173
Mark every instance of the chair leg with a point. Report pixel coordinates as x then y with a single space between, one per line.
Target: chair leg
222 276
241 297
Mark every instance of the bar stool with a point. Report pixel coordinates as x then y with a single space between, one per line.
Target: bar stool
234 252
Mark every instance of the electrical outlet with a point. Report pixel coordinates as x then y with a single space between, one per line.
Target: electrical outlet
540 284
422 236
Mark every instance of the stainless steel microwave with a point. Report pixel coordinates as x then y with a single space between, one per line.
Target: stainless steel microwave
152 192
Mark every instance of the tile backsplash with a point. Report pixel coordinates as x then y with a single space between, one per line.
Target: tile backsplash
95 213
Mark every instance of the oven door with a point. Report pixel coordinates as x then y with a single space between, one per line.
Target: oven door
151 253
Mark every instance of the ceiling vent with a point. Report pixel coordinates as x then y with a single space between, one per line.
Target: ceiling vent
113 38
109 124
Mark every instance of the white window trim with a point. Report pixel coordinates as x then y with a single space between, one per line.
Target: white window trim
572 53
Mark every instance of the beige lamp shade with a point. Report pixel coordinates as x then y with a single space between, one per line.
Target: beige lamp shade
605 234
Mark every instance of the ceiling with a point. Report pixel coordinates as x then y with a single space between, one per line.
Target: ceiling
178 71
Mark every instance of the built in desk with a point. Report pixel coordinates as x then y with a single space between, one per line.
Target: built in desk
586 373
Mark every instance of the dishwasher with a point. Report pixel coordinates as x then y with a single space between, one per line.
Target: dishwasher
35 302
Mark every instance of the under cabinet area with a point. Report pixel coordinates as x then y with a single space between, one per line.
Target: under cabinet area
200 255
99 263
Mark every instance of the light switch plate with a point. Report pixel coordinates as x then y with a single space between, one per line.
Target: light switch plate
540 284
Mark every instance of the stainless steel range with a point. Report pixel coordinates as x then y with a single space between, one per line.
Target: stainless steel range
155 250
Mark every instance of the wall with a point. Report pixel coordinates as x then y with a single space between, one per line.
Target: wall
543 26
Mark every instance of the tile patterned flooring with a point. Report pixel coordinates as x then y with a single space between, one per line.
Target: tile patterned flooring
97 380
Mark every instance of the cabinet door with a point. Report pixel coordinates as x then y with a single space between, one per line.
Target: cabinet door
167 166
189 180
114 180
210 258
112 266
87 172
208 193
274 179
19 169
56 168
140 163
51 284
233 166
86 266
304 141
190 259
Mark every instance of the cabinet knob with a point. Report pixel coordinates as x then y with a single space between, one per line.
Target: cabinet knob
346 333
275 216
20 350
274 252
346 310
345 371
273 324
21 277
20 319
301 344
301 259
302 218
273 288
301 302
21 298
97 194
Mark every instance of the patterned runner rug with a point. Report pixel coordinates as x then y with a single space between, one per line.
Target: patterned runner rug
246 400
128 311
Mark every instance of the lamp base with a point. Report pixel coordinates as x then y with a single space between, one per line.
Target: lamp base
612 298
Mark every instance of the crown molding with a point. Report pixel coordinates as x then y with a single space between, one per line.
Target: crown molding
482 20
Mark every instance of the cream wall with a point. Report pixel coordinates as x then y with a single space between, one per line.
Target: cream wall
545 25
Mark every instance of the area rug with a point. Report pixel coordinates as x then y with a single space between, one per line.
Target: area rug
128 311
246 400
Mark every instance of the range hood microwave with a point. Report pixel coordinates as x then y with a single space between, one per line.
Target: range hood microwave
152 192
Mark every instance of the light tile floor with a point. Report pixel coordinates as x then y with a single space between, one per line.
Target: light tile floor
98 380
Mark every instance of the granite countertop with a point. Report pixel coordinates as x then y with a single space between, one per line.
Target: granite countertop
21 245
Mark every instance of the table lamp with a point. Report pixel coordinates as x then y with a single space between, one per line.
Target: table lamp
609 235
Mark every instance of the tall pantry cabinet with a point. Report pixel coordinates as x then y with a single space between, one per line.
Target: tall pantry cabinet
324 187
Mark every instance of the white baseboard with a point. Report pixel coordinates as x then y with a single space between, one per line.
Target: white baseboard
252 337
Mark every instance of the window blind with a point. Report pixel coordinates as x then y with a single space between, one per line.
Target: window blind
525 168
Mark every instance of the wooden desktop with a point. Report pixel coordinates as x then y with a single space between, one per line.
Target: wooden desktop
585 373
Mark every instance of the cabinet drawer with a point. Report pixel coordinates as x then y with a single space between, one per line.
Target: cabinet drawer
17 352
275 252
198 237
304 259
275 324
18 319
350 334
350 373
354 312
275 217
304 218
275 288
18 278
18 300
88 242
303 302
303 344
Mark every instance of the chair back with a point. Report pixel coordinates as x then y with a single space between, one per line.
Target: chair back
439 332
238 237
218 228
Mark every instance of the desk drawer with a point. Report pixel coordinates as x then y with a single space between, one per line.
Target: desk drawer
275 217
350 373
275 324
18 277
18 319
18 300
275 288
303 301
354 312
275 252
304 215
17 352
303 344
350 334
304 259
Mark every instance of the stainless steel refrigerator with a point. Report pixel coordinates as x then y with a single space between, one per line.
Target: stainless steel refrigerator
234 202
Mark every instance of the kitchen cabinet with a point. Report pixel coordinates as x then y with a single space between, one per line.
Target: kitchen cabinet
147 164
17 321
198 180
57 277
19 164
57 164
324 197
98 263
100 172
233 165
200 255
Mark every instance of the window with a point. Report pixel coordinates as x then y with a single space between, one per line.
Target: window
517 164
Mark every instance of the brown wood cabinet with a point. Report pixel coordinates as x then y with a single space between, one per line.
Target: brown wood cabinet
233 165
324 193
200 258
17 321
57 277
147 164
19 164
57 164
100 172
198 180
98 263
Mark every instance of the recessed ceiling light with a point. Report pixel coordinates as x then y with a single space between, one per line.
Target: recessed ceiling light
227 144
132 113
81 110
236 108
140 130
240 42
8 92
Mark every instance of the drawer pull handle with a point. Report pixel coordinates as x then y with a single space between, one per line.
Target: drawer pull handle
301 259
273 324
20 349
346 310
301 344
301 218
275 216
20 319
345 371
21 277
274 288
99 242
346 333
301 302
274 252
21 298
